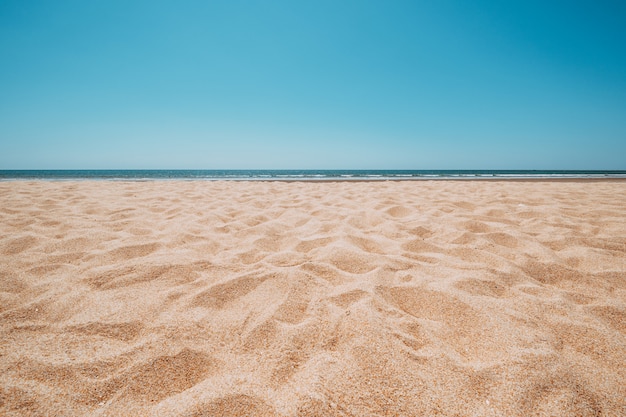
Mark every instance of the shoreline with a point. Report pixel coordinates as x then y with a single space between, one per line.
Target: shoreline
323 180
309 175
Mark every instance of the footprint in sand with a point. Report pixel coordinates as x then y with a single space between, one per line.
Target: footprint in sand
165 376
420 245
345 299
481 287
502 239
422 232
220 295
564 395
308 245
351 261
233 405
613 316
133 251
19 245
550 273
399 211
125 332
475 226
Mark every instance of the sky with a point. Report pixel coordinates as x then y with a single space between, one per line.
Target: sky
390 84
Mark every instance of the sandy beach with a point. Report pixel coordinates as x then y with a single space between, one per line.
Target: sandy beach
401 298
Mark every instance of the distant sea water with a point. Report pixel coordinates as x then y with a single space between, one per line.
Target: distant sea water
299 175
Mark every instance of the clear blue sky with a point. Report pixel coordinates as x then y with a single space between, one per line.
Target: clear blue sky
313 84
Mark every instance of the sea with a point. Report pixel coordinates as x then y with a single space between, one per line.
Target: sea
299 175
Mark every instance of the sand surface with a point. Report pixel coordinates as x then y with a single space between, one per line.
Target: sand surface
197 298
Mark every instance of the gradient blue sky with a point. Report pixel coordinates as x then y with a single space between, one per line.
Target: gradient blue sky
313 84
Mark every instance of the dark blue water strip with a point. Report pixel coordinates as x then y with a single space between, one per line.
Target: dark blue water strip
299 174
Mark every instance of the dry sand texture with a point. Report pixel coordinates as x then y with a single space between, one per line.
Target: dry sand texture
468 298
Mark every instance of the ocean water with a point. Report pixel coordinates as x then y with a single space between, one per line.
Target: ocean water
294 175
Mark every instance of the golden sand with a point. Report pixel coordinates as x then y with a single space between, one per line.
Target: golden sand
198 298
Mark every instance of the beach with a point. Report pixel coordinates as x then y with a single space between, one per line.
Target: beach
254 298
